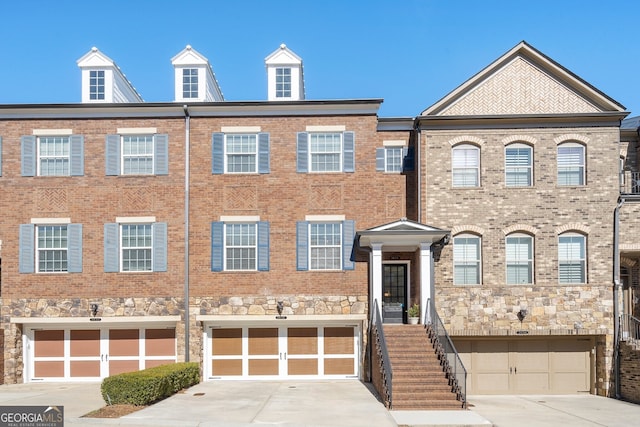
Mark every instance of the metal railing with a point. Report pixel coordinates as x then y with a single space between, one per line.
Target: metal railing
447 351
630 328
380 345
629 182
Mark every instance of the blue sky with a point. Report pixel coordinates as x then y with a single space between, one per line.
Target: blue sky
411 53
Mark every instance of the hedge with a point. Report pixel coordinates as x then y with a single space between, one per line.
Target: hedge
150 385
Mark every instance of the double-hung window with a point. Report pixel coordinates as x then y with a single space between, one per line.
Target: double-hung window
466 259
394 159
571 164
135 245
465 165
240 244
96 85
325 152
283 82
518 165
137 154
325 244
52 155
572 259
50 246
519 259
241 153
190 83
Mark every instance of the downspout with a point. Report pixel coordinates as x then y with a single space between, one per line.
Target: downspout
418 168
616 291
187 149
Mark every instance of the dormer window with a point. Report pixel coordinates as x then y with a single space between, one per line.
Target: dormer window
190 83
283 82
96 85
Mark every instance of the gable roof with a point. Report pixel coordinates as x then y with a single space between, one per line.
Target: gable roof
96 59
523 81
283 56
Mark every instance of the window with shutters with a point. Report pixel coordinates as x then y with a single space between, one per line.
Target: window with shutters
325 245
135 246
518 161
466 259
465 165
54 247
519 259
240 245
393 159
51 248
572 258
326 152
237 153
55 155
571 164
137 154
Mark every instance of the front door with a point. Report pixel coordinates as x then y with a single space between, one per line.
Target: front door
394 293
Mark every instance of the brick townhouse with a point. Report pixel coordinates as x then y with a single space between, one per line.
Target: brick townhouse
257 237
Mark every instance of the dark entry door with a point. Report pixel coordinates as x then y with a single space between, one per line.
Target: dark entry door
394 292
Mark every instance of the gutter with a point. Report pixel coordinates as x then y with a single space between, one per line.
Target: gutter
616 290
187 149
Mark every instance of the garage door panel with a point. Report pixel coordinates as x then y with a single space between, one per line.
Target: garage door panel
152 363
84 368
226 342
338 340
49 369
264 367
223 368
302 366
263 341
120 366
568 382
490 383
342 366
302 341
160 342
49 343
124 342
84 343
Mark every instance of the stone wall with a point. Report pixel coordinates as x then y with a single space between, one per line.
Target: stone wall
630 373
291 305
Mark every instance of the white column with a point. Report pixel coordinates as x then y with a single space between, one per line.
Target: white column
426 278
376 274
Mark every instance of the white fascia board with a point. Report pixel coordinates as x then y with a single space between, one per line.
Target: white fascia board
292 319
51 321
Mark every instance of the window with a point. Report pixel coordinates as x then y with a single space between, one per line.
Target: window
465 165
50 248
240 153
190 83
571 164
141 154
466 260
519 257
518 165
394 159
52 155
240 246
135 247
96 85
283 82
325 245
572 258
326 152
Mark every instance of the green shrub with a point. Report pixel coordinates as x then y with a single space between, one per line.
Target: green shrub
149 385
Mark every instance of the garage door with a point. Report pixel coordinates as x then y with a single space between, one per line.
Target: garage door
92 354
282 352
527 365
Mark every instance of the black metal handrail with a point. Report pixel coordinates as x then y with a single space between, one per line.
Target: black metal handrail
378 330
449 354
630 327
629 182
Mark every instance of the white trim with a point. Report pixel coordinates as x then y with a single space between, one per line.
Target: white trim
52 132
136 131
329 128
270 320
50 220
395 143
240 129
95 323
135 219
324 218
239 218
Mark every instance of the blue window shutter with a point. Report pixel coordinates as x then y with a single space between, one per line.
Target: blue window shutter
161 154
0 156
302 245
159 233
77 155
111 248
28 155
263 246
380 159
409 161
217 153
27 239
112 155
348 234
263 153
348 143
303 152
74 248
217 246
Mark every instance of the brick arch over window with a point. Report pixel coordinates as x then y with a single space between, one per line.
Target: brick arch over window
573 227
520 138
458 229
571 137
523 228
467 139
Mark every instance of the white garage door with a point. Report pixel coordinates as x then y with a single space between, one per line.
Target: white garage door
91 354
303 352
527 365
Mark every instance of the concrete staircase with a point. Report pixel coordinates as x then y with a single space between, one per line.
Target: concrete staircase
419 379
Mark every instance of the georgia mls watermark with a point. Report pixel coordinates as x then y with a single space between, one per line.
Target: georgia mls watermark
31 416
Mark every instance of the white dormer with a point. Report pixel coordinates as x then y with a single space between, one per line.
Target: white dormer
285 77
194 78
103 81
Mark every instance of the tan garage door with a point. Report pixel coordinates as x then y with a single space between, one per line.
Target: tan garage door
527 365
277 352
91 354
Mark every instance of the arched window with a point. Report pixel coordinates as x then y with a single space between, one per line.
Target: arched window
572 258
519 259
465 165
466 259
518 165
571 164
